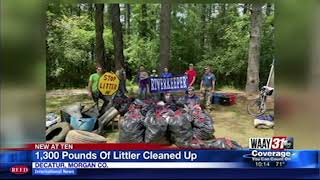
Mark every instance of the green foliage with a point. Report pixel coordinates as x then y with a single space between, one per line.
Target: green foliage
142 52
71 41
229 60
148 24
70 56
186 33
70 51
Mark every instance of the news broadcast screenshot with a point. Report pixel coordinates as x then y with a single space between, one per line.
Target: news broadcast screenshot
160 89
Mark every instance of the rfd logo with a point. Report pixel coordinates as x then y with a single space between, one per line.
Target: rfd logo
19 169
274 143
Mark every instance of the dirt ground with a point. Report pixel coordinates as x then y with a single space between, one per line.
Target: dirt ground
229 121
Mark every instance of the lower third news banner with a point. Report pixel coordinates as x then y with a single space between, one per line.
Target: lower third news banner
99 160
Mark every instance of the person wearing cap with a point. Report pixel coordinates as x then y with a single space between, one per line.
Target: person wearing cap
154 73
143 79
166 73
93 84
207 85
157 96
192 75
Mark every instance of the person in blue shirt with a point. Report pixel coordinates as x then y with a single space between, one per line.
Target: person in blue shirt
207 86
166 73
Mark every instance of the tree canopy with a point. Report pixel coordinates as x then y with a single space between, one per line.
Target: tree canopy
203 34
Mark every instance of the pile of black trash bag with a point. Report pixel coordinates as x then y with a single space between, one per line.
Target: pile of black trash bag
156 122
180 128
122 102
151 121
202 124
132 126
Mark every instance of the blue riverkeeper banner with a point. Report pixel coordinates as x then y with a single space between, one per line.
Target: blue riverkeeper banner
176 83
102 161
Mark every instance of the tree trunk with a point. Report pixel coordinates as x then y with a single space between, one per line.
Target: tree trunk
100 51
223 13
128 16
91 11
268 9
252 85
165 27
79 10
117 36
203 27
128 32
143 24
210 11
245 8
223 9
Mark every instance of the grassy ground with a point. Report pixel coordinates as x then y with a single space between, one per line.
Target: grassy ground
56 103
229 121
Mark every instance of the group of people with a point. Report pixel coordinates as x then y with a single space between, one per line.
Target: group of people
207 85
143 80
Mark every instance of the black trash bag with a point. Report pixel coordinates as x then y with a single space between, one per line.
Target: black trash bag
196 143
121 102
156 123
180 128
218 143
118 99
223 143
92 111
131 127
124 108
150 101
181 102
174 106
139 102
146 109
202 125
148 105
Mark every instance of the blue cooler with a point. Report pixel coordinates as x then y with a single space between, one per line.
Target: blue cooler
216 98
85 124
